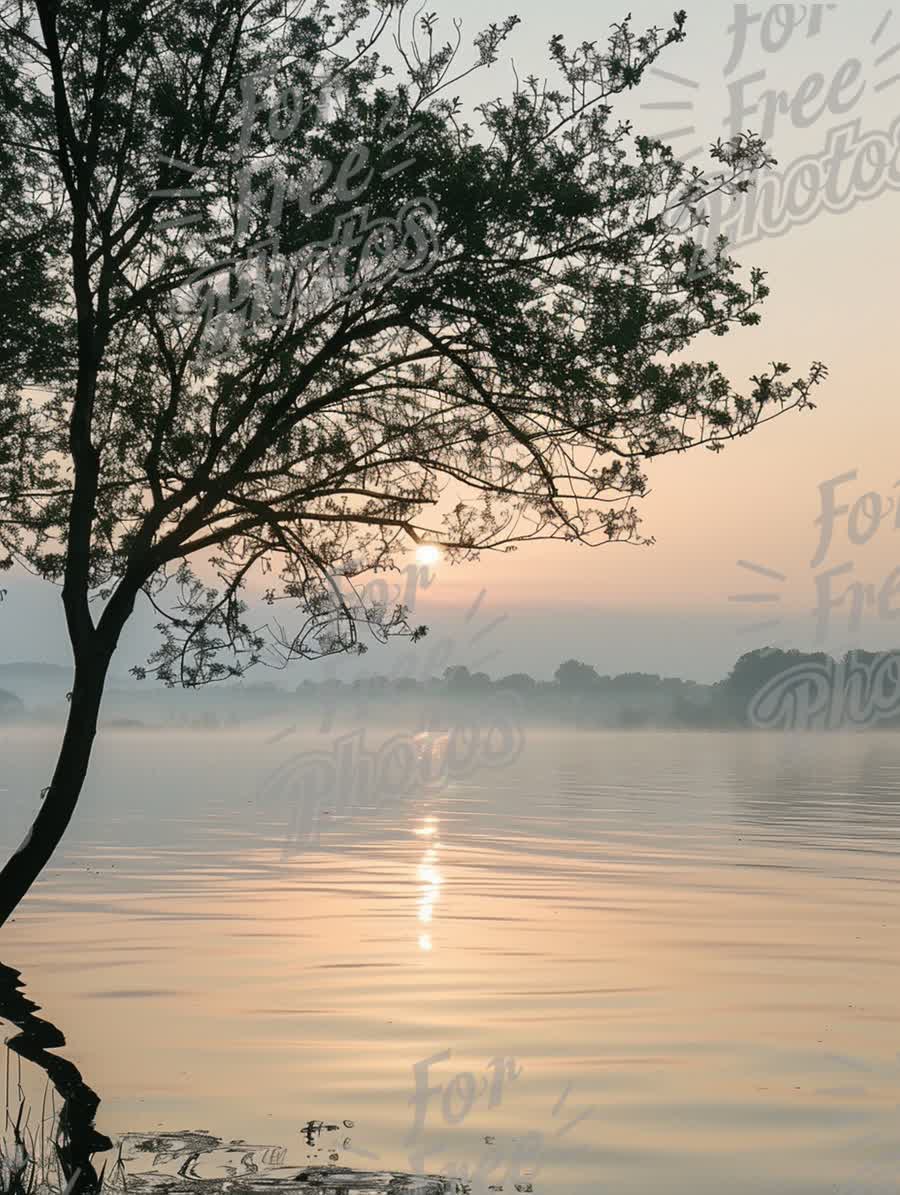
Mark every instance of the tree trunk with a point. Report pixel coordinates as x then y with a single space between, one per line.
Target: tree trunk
74 1133
68 778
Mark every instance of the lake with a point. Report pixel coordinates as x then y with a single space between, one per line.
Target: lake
626 961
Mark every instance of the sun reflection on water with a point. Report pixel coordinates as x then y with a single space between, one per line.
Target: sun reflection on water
429 877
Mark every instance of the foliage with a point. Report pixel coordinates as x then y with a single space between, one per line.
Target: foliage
514 391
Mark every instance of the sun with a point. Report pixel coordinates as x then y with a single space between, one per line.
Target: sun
428 554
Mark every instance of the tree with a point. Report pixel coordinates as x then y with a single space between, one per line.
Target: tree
31 237
11 706
468 332
518 682
458 678
755 669
575 677
636 682
406 684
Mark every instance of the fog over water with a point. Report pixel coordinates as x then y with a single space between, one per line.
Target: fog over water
685 943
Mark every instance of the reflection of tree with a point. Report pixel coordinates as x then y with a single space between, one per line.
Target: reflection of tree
76 1138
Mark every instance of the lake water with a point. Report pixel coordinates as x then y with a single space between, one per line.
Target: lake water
638 962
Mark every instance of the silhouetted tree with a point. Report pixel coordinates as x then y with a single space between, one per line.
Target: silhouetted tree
11 706
517 682
459 679
407 684
575 677
535 368
33 335
637 682
754 670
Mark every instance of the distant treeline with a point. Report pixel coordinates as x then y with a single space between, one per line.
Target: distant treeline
758 682
769 683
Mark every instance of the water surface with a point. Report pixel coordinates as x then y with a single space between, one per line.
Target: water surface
638 961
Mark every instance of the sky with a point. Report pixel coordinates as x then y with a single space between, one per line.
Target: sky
833 74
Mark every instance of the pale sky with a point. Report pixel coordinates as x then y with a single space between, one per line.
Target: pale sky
834 281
